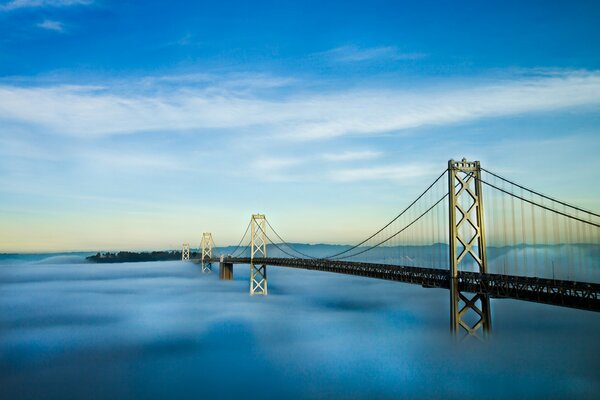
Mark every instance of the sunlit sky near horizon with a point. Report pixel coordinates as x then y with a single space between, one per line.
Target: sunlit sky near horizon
139 125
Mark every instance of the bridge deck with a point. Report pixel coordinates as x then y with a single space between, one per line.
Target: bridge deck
555 292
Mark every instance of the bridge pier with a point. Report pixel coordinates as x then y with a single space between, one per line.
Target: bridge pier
471 313
258 279
225 271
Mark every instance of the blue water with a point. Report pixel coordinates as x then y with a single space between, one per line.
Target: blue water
69 329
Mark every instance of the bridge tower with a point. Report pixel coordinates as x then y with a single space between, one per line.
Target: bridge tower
185 252
258 249
467 246
206 246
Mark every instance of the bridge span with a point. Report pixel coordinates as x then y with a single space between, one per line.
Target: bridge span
522 245
571 294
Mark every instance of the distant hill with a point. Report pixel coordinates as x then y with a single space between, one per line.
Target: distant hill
130 256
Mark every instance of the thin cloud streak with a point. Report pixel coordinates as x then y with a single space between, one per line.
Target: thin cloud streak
351 156
297 169
401 173
273 163
133 161
51 25
79 112
356 54
231 82
17 4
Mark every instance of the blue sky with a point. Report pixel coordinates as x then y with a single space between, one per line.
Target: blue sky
139 125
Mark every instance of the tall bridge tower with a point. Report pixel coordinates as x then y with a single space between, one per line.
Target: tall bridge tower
206 246
258 249
467 246
185 252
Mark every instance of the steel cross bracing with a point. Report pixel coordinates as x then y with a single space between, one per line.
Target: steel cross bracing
185 252
570 294
467 243
206 245
258 246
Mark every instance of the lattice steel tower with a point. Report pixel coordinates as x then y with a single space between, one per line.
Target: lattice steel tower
467 246
258 246
185 252
206 246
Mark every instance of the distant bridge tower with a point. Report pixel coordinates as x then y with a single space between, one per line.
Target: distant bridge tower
185 252
258 249
467 246
206 254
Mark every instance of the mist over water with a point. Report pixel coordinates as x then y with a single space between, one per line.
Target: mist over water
69 329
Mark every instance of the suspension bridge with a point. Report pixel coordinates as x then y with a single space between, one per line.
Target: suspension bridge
522 245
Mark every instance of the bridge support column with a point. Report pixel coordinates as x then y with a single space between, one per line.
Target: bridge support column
225 271
258 273
258 279
206 245
470 313
185 252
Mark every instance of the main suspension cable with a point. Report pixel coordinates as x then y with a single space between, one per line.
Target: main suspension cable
274 244
242 239
540 205
389 223
286 243
401 230
541 195
243 249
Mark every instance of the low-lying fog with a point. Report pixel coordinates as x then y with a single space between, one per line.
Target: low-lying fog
69 329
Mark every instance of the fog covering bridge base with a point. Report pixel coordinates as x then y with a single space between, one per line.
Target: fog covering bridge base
580 295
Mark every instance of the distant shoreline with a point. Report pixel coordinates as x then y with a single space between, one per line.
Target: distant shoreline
130 256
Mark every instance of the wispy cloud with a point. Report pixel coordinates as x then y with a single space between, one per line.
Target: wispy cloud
135 161
275 169
216 82
51 25
16 4
276 163
383 172
317 115
351 155
297 168
17 145
357 54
